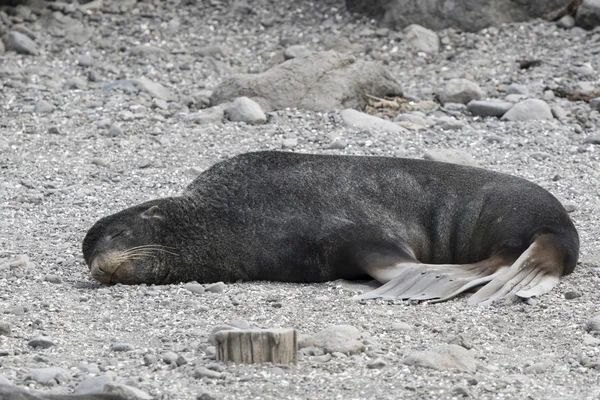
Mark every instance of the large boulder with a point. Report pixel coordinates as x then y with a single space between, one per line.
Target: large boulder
324 81
588 14
468 15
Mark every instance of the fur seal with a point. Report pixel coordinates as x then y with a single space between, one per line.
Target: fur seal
426 230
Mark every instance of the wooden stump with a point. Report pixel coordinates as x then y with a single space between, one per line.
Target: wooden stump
254 346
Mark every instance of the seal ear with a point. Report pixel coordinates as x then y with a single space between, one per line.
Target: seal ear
152 212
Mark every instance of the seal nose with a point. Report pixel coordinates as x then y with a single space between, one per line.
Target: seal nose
97 273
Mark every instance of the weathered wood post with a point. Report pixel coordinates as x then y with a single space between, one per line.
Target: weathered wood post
254 346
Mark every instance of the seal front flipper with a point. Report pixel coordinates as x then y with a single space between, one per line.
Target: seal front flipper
439 282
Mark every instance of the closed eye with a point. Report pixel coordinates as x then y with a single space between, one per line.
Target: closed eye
114 235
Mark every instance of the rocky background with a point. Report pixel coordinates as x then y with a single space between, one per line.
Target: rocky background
106 104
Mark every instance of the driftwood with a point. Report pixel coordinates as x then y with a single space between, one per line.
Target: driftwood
254 346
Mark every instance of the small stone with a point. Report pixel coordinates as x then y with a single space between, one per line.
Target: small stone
516 88
99 162
50 376
558 112
122 347
202 372
160 103
169 357
566 22
538 368
21 43
377 363
149 359
115 131
593 324
75 82
54 130
450 124
85 61
321 359
43 107
296 51
181 360
590 340
126 392
460 91
337 144
461 390
461 341
422 39
210 115
588 14
93 385
218 287
3 380
489 108
361 120
593 139
289 143
194 287
204 395
246 110
42 342
401 326
530 109
444 357
339 338
570 207
52 278
154 89
5 328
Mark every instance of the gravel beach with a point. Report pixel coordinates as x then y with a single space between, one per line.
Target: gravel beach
109 104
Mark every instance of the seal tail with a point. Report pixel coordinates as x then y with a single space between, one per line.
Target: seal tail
534 272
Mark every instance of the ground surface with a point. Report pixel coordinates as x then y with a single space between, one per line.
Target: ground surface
54 186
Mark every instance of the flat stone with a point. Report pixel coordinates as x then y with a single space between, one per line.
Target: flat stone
154 89
566 22
5 328
530 109
489 108
50 375
43 107
516 88
422 39
339 338
202 372
460 91
361 120
212 115
126 392
218 287
246 110
93 385
42 342
194 287
444 358
21 43
122 347
377 363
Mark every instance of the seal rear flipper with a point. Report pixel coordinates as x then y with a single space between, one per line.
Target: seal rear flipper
439 282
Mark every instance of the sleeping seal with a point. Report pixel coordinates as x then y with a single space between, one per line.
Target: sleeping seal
426 230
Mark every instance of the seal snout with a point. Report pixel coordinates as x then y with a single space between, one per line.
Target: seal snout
103 271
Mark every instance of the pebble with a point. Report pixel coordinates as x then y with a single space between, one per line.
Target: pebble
54 130
489 108
246 110
218 287
593 324
364 121
377 363
443 357
296 51
203 372
115 131
422 39
530 109
169 357
460 90
126 392
3 379
75 82
337 144
21 43
204 395
122 347
93 385
207 116
593 139
289 143
154 89
516 88
461 390
5 328
401 326
149 359
321 359
43 107
339 338
538 368
566 22
194 287
42 342
558 112
50 376
52 278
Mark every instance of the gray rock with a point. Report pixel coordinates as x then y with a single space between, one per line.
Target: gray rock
245 110
212 115
204 395
289 143
558 111
126 392
218 287
43 107
461 390
401 326
593 324
453 156
413 119
296 51
181 360
150 359
515 98
566 22
443 358
5 381
52 278
588 14
85 60
530 109
147 51
590 340
489 108
321 359
42 342
460 91
169 357
516 88
459 14
93 385
122 347
5 328
20 43
50 375
75 82
449 124
194 287
538 368
422 39
154 89
377 363
593 139
361 120
322 82
202 372
339 338
2 48
115 131
337 144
